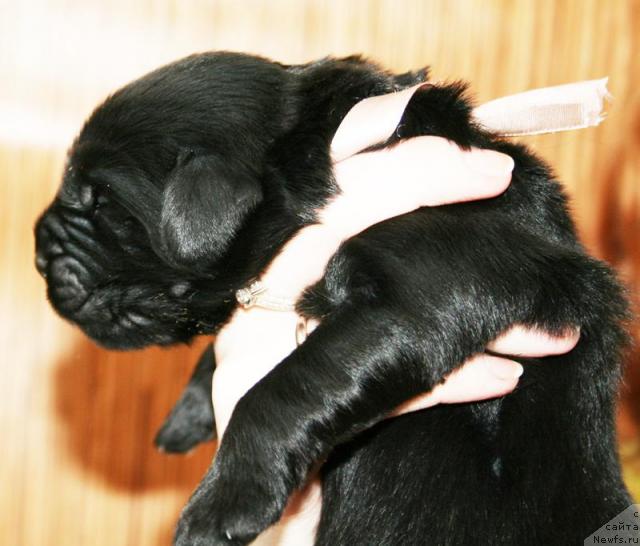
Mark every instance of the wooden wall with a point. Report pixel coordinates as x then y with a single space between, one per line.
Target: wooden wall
76 422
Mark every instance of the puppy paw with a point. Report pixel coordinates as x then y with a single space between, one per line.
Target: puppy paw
229 509
190 422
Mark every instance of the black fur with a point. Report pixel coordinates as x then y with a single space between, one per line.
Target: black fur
191 420
181 188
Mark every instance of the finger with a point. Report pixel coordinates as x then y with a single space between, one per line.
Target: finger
419 172
522 341
450 175
480 378
433 168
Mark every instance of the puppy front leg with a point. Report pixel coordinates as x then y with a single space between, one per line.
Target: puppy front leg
355 367
191 420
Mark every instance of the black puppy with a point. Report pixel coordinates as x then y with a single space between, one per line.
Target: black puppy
183 185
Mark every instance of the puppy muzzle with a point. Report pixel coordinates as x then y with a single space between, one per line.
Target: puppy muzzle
64 259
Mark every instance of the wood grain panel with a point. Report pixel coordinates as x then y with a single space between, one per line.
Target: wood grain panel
76 462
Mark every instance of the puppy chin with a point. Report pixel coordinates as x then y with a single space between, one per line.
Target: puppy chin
117 337
130 326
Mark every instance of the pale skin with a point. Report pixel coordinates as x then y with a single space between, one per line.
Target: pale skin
255 340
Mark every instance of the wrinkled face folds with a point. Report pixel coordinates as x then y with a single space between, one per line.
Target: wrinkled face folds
103 274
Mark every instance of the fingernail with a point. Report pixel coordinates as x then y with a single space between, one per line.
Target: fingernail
488 162
506 369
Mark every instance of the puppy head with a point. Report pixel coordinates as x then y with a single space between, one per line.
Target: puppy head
159 183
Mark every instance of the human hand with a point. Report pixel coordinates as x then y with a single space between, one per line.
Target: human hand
367 196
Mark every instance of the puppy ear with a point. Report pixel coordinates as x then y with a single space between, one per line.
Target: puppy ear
204 204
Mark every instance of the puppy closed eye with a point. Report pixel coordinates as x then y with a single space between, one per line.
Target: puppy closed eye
111 215
95 199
